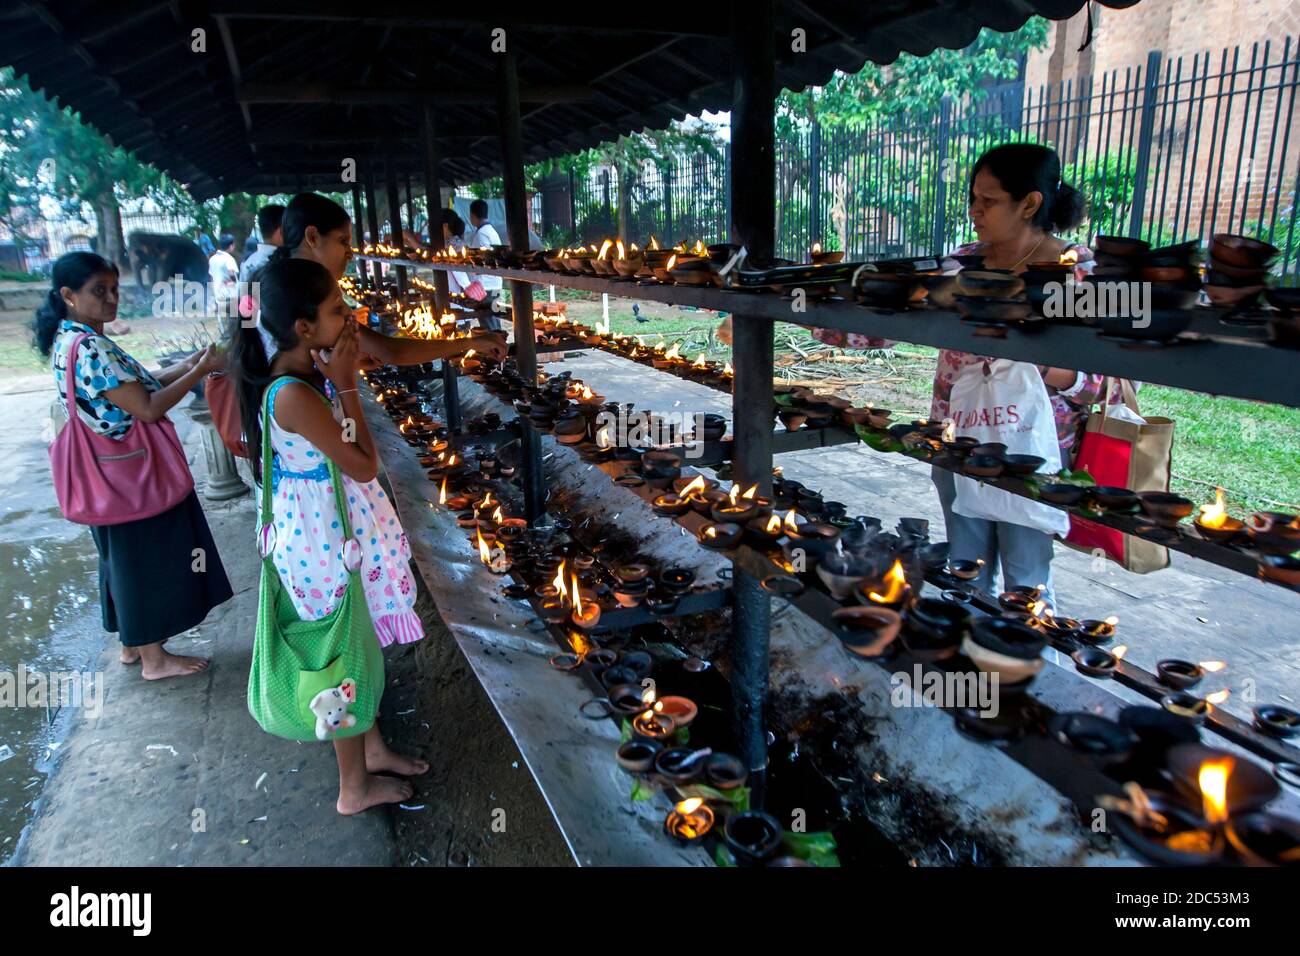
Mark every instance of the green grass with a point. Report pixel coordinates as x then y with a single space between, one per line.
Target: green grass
1250 449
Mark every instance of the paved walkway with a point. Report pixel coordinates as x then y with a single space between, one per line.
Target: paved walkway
1190 610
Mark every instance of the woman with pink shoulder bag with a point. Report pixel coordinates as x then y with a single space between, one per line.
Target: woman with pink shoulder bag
118 467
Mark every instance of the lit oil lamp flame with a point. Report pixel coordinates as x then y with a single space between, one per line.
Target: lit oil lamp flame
484 553
734 495
442 491
672 261
896 584
1112 620
620 250
560 586
728 370
700 362
690 805
675 352
653 243
816 248
711 531
604 249
694 485
1219 696
1069 257
1119 652
1212 667
578 641
1213 782
791 526
773 525
648 697
602 437
949 430
699 249
749 493
1038 609
486 502
576 595
497 516
1216 515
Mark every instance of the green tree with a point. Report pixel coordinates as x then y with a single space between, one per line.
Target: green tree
49 151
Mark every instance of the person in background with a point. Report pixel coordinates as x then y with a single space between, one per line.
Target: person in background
482 233
1017 204
223 274
453 238
204 242
148 587
315 227
268 226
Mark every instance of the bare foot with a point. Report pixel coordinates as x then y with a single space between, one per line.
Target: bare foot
385 761
377 790
173 665
130 655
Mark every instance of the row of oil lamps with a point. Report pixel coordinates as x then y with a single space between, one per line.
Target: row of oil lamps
692 819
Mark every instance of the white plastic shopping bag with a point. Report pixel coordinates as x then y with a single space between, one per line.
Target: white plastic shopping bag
1005 401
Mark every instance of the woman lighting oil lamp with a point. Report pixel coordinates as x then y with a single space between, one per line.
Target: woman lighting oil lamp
689 821
1213 523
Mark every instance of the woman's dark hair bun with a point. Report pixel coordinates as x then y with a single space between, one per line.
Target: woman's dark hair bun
1023 168
1068 208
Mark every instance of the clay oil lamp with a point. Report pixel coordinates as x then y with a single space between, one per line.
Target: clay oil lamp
1281 568
630 593
1180 703
792 418
1225 784
983 466
816 539
553 610
1274 532
689 821
725 772
1010 650
892 591
586 611
1165 827
661 603
1277 721
1062 632
720 536
842 573
1097 631
740 507
638 756
1213 523
819 256
964 569
626 699
682 710
704 501
676 580
866 631
661 468
681 765
1164 508
1094 735
570 429
1098 662
1183 675
1265 839
653 725
933 629
752 836
670 504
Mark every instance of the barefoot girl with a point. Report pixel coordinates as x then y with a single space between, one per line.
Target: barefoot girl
316 341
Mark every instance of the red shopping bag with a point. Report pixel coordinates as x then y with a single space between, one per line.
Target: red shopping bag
1124 454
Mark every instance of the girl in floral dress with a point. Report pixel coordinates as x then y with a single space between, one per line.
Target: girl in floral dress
317 342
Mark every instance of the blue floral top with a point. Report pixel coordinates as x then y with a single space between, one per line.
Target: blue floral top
101 366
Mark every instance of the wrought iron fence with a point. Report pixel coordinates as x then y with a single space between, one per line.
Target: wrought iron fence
1174 149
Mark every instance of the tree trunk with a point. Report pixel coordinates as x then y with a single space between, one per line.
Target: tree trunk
108 222
627 177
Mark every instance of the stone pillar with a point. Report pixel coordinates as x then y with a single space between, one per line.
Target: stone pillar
223 481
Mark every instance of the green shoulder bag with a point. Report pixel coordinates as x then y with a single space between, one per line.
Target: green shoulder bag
312 680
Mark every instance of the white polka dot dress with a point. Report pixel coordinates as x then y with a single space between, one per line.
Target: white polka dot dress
308 546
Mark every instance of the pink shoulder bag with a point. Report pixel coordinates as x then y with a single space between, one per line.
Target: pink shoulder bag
105 481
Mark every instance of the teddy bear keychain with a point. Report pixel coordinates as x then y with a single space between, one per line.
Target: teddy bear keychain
331 708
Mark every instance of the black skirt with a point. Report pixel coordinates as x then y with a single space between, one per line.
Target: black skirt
152 585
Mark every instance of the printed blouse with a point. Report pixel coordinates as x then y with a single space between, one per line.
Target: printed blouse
102 365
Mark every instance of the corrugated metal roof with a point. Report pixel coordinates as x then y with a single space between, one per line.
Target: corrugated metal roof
215 118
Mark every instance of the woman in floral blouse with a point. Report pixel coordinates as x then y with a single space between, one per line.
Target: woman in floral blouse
1017 202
